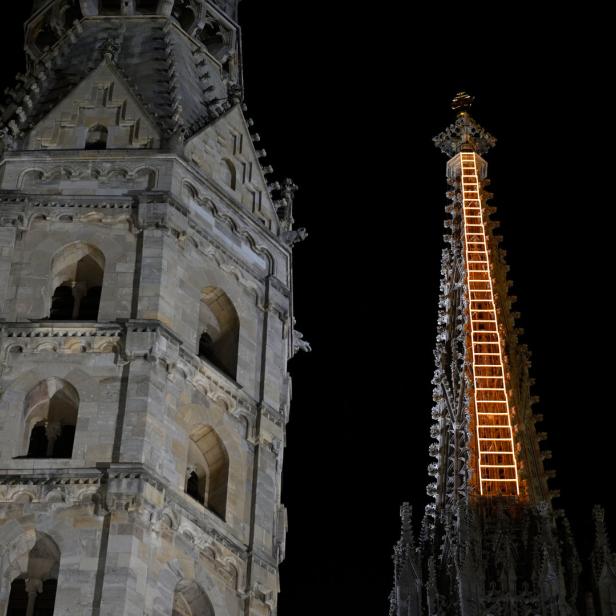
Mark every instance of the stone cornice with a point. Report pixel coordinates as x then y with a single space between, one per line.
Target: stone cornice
123 488
119 338
127 155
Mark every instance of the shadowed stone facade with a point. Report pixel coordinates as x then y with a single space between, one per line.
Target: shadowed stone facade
146 319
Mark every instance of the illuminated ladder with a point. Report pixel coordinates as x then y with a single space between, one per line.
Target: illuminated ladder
498 473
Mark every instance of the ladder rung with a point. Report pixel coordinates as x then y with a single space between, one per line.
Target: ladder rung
497 465
499 480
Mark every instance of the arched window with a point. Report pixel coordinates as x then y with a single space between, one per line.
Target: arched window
184 12
50 413
96 138
214 38
189 599
70 13
77 278
33 592
219 328
45 36
207 470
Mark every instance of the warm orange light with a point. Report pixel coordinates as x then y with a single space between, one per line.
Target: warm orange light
497 465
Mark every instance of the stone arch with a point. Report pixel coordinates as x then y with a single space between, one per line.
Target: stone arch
219 330
190 190
186 13
30 178
146 178
32 573
207 475
44 35
69 13
228 173
215 37
97 137
189 599
77 272
50 419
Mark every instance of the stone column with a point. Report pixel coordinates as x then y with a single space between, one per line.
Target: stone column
79 292
34 588
53 431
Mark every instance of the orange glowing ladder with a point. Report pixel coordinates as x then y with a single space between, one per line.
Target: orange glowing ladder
498 472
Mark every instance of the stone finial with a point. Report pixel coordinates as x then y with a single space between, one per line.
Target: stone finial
284 206
406 515
601 538
110 49
464 133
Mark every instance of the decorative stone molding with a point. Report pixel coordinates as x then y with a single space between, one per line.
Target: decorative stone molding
130 177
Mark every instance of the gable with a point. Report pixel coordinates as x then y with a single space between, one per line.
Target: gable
102 103
225 152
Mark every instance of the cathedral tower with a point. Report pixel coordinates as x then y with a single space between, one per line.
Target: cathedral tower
491 542
146 319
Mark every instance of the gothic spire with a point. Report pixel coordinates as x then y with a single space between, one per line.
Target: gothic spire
491 541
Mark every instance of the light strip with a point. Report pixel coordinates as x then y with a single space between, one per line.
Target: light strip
498 479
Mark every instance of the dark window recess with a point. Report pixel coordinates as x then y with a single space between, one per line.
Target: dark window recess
213 38
62 304
184 14
45 37
97 138
43 602
111 7
63 447
88 307
38 442
18 599
46 600
192 488
147 6
207 351
72 14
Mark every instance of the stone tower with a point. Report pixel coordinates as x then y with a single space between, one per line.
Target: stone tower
491 542
147 320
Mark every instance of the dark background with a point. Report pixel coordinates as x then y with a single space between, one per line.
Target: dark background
347 98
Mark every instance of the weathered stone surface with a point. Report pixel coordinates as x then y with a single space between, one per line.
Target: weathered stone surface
129 181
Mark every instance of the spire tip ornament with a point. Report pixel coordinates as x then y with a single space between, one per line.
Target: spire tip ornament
462 102
464 134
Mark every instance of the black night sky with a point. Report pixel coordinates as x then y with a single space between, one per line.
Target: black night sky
346 99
